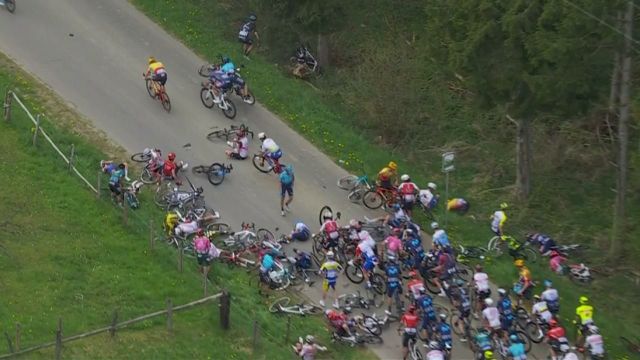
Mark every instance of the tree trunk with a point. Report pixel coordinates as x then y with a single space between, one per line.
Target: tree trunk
524 157
323 50
614 91
619 220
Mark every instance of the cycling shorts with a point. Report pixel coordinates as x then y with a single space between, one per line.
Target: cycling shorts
160 78
392 290
505 324
369 264
286 189
330 244
115 188
406 337
276 155
327 284
245 40
203 259
300 235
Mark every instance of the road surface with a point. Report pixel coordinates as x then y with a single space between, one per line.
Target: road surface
93 54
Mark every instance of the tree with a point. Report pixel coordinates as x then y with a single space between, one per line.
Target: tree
521 55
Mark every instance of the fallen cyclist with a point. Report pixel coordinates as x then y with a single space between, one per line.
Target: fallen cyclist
339 323
308 348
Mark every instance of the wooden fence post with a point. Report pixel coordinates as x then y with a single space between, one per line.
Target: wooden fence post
225 307
8 100
114 322
37 129
99 187
169 316
18 333
125 210
152 241
255 335
10 345
288 332
59 340
71 155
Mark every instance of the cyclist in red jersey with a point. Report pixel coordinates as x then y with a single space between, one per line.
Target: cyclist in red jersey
170 169
556 337
410 321
414 285
408 191
338 322
330 230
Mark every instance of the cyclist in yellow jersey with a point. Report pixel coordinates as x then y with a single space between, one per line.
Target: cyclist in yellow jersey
387 177
330 270
584 314
157 73
524 284
498 219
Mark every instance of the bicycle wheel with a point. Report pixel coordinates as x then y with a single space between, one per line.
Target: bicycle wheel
150 90
166 102
205 70
206 96
322 210
161 198
416 354
524 339
249 99
355 195
11 5
217 229
371 325
377 283
529 255
261 164
533 332
230 111
147 176
354 274
347 182
265 235
464 272
140 157
372 199
276 306
454 320
215 174
219 134
318 250
431 286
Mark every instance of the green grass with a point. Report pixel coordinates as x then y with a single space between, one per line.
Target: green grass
63 253
348 119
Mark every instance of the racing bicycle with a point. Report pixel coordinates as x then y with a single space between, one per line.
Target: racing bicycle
215 172
207 96
283 306
10 5
231 132
157 92
266 164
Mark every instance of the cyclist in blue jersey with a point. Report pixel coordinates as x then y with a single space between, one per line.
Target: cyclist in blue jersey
394 286
300 232
506 313
303 259
413 246
516 349
444 333
429 320
266 265
462 302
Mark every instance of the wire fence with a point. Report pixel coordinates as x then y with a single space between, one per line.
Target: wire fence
257 332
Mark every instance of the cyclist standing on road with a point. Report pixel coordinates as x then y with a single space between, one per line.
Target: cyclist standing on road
516 349
239 146
428 197
330 270
410 322
429 321
483 290
408 191
439 237
524 285
286 188
551 297
392 270
330 229
584 314
498 220
444 333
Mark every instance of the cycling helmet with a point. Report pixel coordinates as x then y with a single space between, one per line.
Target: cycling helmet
488 355
392 165
262 136
434 345
432 186
553 322
434 225
328 312
593 329
330 254
519 263
583 300
310 339
412 308
151 59
396 206
488 301
171 156
514 337
536 297
502 292
478 268
146 152
504 206
548 283
443 316
405 177
122 166
253 17
327 215
354 223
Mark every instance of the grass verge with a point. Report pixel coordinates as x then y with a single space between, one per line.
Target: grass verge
65 254
558 204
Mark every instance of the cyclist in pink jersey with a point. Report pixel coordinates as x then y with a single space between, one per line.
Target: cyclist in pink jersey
202 245
392 246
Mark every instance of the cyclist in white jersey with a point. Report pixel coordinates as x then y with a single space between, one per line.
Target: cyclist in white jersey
540 309
491 315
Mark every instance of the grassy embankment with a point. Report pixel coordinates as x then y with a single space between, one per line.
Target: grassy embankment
571 198
63 253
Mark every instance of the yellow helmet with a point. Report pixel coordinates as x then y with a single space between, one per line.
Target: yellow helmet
504 205
518 263
584 300
151 60
488 355
392 165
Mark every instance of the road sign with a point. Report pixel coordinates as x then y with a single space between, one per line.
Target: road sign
447 162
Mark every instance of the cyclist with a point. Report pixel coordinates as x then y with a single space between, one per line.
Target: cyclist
498 219
170 168
483 344
266 265
245 34
594 343
428 197
365 251
414 286
269 148
109 166
308 348
157 73
300 232
444 333
483 290
329 270
458 205
545 242
387 176
413 246
551 297
439 237
429 321
524 286
556 338
394 286
506 313
491 317
303 259
584 314
330 230
408 191
393 246
410 322
445 270
540 310
339 323
434 351
516 350
239 146
556 262
202 245
115 183
287 179
462 302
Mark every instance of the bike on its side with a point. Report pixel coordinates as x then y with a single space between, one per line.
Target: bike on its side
216 172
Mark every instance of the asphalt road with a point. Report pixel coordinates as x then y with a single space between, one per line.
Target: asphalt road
93 54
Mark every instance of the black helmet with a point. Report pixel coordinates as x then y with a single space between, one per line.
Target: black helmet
225 60
253 17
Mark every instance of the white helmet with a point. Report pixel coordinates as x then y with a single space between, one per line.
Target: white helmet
434 225
327 215
434 345
330 254
310 339
432 186
593 329
262 136
405 177
146 152
488 301
353 223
